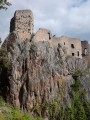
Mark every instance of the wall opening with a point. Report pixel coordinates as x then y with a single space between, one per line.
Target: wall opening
77 53
58 84
64 43
49 35
72 45
85 51
73 54
29 30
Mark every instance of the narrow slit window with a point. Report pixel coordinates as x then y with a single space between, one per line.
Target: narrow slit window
77 53
49 35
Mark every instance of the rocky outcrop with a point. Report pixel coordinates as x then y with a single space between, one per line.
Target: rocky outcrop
38 73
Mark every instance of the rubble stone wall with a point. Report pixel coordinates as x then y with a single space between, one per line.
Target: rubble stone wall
22 23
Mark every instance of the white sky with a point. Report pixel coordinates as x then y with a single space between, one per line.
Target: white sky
63 17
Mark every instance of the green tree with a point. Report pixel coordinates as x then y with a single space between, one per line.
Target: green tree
80 112
4 4
69 113
4 63
87 109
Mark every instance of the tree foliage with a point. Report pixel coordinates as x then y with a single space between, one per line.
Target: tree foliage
78 109
8 112
4 63
4 4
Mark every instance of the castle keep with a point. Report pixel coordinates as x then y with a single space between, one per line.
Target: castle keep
23 24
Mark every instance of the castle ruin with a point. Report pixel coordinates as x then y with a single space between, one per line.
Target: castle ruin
72 45
23 24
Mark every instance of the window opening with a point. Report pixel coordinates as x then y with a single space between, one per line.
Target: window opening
49 35
78 53
72 45
73 54
85 51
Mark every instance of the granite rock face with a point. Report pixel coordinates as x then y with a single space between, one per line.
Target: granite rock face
39 73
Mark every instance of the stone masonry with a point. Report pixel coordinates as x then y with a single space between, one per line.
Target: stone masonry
72 45
23 24
43 35
86 51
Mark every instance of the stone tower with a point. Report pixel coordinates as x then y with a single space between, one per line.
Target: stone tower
23 24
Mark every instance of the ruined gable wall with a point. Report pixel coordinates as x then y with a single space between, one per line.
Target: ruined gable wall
42 35
23 23
45 35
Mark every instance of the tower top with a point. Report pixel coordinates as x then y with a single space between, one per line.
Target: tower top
23 24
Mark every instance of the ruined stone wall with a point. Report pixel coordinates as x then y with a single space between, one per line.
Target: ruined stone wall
72 45
85 47
86 51
42 35
22 23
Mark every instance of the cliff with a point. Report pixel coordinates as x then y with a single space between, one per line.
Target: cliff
39 74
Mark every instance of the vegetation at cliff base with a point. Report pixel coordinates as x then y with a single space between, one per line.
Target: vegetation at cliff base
4 64
77 109
7 112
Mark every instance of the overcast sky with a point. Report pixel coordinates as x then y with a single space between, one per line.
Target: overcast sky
63 17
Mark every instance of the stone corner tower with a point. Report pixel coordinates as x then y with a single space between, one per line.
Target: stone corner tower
23 24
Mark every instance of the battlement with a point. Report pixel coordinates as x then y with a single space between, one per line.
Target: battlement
23 24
